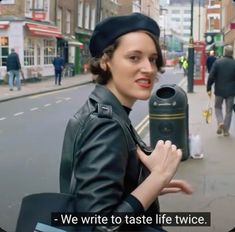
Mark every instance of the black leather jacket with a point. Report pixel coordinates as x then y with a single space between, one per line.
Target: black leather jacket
222 74
100 144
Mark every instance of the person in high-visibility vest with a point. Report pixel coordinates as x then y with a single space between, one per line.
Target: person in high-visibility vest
185 66
181 61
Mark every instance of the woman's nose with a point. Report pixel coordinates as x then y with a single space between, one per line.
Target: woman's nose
148 66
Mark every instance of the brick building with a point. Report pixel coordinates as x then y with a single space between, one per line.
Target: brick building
30 26
229 23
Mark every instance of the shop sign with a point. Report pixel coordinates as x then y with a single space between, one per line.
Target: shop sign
39 15
4 24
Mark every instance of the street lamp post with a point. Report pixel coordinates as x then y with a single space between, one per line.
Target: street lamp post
98 10
191 55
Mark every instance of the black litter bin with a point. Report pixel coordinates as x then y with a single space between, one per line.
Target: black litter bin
168 117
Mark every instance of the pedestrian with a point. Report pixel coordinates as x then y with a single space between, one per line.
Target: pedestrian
102 151
13 70
222 75
181 61
185 66
58 63
210 60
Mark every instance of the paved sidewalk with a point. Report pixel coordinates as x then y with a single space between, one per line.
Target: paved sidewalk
212 177
43 86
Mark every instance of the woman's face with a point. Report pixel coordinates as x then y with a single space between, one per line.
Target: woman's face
133 68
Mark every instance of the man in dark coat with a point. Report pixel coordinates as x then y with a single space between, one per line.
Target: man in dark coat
210 60
58 63
13 69
222 75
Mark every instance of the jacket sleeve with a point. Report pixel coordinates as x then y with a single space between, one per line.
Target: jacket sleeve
101 168
211 77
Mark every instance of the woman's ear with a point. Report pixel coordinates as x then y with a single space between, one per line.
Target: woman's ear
103 65
103 62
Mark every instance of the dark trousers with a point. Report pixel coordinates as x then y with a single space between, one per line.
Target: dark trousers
58 76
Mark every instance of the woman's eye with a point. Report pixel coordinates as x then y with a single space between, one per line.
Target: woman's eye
153 60
134 58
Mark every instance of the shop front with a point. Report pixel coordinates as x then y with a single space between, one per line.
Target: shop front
34 42
39 49
70 49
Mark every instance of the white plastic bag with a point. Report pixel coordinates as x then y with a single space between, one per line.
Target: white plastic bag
195 146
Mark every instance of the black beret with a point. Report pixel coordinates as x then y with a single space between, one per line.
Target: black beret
108 30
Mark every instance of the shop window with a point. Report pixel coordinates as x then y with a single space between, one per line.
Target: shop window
49 51
29 52
4 50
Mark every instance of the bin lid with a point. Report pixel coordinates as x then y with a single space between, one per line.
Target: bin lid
169 95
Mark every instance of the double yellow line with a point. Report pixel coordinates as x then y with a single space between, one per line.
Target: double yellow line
142 125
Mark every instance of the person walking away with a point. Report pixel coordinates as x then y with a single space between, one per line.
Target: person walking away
222 75
58 63
13 70
102 152
210 60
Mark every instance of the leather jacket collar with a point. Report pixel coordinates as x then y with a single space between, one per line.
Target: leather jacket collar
104 95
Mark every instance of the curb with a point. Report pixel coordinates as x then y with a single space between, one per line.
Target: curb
44 91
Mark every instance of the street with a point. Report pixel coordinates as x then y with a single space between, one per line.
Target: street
31 135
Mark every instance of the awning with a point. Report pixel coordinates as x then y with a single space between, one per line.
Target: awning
73 42
39 29
4 24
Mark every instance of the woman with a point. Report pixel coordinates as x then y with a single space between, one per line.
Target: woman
102 153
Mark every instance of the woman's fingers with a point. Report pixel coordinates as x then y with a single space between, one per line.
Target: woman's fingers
170 190
180 184
164 158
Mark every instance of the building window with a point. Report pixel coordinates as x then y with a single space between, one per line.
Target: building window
80 14
49 51
39 4
45 5
87 16
59 18
187 11
29 52
68 22
211 23
187 19
4 50
175 19
187 27
28 6
212 2
175 11
186 34
93 15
